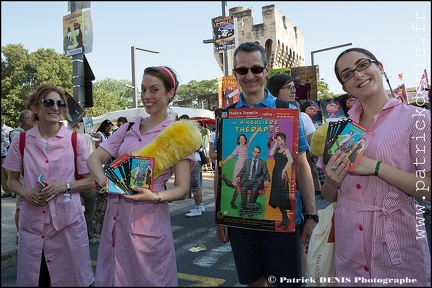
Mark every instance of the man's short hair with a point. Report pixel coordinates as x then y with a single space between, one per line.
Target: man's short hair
251 47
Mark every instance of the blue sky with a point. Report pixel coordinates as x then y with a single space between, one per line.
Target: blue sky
396 32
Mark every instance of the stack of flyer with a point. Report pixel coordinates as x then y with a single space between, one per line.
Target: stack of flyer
127 171
349 137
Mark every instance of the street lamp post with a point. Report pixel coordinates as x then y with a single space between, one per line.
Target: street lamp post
133 48
326 49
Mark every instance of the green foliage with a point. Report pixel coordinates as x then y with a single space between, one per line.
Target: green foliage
110 95
193 89
323 91
22 72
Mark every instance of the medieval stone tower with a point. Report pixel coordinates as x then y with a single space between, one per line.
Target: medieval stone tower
283 42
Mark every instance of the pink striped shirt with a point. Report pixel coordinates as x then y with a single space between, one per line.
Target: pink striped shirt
376 223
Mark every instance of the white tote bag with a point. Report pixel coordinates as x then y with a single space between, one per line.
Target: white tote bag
320 257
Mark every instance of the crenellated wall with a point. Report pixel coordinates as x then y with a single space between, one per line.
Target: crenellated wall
282 40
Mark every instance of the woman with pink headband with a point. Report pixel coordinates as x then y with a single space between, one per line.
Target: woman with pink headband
136 246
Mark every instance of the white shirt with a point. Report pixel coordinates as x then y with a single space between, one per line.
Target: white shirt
308 125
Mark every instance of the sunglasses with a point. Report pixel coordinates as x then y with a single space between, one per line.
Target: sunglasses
244 71
48 103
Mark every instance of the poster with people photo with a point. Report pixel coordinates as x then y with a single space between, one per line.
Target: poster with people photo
228 90
257 158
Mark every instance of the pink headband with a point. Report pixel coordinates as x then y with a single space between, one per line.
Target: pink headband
169 74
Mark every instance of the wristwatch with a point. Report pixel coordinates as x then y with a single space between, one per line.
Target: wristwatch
68 188
312 216
158 200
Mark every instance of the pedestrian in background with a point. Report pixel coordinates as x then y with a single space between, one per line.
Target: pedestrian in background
120 121
53 245
103 132
4 149
376 216
196 182
26 120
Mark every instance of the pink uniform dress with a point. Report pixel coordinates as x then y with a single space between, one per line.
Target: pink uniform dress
136 246
378 234
59 228
241 151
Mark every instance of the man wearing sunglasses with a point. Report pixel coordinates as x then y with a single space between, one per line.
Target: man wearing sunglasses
261 254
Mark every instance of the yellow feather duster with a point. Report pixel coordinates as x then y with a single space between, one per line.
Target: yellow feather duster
173 144
318 140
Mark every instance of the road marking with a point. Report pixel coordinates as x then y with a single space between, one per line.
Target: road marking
201 281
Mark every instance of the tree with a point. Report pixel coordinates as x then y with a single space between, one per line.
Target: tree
22 72
110 95
193 89
323 91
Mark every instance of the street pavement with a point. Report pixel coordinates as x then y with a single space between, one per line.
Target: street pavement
8 228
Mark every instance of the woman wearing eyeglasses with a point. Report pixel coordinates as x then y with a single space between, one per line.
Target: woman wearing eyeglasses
378 223
53 244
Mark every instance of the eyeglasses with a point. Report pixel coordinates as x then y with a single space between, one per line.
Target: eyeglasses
364 64
48 103
289 87
244 71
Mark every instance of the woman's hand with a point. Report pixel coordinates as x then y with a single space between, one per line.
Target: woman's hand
50 191
32 196
336 169
366 166
143 194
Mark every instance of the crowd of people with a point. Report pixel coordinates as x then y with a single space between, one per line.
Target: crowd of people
375 212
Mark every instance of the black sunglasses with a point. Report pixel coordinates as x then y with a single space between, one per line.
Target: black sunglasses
61 104
244 71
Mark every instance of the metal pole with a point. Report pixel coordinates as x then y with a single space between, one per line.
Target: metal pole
225 54
133 48
78 67
326 49
134 95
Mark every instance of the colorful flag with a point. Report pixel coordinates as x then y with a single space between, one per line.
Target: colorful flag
401 93
421 93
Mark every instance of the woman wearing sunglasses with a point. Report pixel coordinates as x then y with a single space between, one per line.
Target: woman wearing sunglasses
380 232
53 244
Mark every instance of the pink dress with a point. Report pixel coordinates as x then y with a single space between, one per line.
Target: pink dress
136 246
378 232
59 228
241 151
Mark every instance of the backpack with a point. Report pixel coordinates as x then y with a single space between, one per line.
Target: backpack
74 146
10 138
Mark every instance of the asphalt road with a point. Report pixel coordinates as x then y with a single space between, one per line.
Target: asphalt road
212 267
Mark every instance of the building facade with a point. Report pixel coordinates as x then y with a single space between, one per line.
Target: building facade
282 40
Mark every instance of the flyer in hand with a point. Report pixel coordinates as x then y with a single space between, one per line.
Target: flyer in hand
259 194
349 137
126 171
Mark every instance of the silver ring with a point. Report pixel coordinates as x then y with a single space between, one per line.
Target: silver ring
333 168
